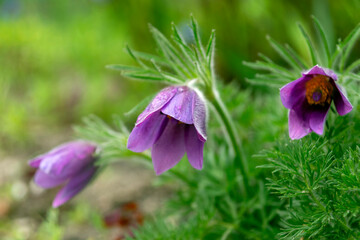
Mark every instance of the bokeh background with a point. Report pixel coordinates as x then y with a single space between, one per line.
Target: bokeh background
53 56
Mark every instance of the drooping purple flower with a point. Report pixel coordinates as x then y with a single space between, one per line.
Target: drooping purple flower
309 99
70 164
172 124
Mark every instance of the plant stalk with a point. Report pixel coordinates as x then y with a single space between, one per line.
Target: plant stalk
240 161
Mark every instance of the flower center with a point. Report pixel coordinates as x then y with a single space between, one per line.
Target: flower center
319 90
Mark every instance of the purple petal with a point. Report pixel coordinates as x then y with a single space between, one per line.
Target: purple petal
35 163
55 163
144 135
317 70
46 180
58 150
169 148
157 103
298 126
67 158
180 106
199 117
293 92
74 186
317 120
194 147
342 104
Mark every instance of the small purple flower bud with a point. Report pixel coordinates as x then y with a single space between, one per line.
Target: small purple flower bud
309 99
70 164
172 124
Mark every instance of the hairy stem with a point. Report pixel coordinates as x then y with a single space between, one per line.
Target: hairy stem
231 131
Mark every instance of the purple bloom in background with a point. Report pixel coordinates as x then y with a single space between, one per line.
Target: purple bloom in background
172 124
70 164
309 99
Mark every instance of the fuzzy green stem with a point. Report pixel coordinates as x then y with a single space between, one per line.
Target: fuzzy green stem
240 161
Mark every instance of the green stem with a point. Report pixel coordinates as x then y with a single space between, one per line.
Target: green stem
240 161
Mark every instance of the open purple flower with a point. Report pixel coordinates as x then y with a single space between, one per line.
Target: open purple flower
172 124
309 99
70 164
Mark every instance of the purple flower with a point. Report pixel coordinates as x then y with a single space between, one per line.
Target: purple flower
309 99
172 124
70 164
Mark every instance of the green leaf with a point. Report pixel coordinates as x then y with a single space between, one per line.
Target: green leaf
148 57
111 142
348 46
351 35
139 73
324 40
167 76
179 62
284 54
95 129
341 46
354 76
140 106
270 67
296 56
144 76
50 227
210 50
195 28
171 53
202 69
265 58
136 58
309 43
123 68
211 44
355 65
186 50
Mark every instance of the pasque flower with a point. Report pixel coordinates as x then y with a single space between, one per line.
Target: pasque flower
309 99
70 164
172 124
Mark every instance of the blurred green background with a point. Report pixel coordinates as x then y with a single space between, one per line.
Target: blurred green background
53 56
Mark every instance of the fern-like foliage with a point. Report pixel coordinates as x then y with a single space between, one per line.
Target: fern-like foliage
336 59
165 227
319 178
111 142
178 61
